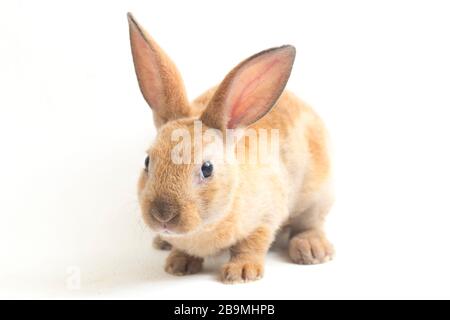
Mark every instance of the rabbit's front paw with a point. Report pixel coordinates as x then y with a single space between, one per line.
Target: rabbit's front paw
310 247
160 244
242 271
180 264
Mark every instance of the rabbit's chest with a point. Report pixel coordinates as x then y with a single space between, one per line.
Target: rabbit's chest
210 243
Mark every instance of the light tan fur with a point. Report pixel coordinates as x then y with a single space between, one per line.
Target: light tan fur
244 205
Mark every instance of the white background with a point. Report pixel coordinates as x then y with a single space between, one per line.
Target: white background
74 128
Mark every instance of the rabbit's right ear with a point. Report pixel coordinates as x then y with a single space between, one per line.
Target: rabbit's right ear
159 80
250 90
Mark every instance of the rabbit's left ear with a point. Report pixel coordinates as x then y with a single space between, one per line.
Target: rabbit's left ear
159 79
250 90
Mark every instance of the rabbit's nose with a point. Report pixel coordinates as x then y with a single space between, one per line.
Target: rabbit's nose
164 211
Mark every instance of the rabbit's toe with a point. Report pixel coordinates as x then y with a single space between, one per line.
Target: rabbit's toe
237 272
181 264
160 244
310 247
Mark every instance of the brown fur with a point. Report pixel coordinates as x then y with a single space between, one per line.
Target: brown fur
244 205
221 110
162 78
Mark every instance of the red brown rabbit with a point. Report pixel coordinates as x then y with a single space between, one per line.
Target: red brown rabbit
201 208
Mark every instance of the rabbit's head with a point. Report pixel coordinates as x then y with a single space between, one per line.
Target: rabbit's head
187 183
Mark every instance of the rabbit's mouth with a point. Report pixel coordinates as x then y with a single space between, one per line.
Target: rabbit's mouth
173 228
172 218
165 229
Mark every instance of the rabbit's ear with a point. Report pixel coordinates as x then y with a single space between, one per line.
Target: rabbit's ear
159 79
250 90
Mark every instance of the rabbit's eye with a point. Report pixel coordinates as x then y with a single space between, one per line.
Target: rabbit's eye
207 169
147 160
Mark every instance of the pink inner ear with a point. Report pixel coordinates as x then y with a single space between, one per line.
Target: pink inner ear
246 97
146 67
256 87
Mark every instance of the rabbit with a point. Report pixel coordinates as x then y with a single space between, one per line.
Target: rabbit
201 209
